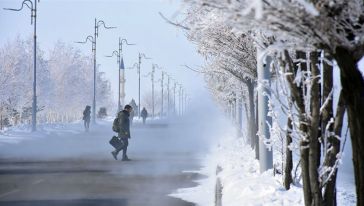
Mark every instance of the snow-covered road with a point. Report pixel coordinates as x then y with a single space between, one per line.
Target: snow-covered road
66 166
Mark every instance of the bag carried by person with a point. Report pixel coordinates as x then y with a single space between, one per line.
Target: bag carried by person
116 143
115 125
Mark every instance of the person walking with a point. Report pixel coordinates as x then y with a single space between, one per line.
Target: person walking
144 114
132 113
123 125
87 117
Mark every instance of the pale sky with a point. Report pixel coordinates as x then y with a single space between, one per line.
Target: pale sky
136 20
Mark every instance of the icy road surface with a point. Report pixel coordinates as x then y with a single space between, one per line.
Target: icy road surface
66 166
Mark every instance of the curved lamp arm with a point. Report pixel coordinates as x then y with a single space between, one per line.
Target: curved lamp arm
88 38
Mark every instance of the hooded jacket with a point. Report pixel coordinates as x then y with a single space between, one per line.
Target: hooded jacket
124 124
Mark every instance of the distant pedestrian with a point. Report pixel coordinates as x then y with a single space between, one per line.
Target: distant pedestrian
132 113
131 117
123 128
87 117
144 114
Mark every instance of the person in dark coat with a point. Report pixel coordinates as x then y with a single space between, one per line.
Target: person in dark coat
144 114
132 113
87 117
124 131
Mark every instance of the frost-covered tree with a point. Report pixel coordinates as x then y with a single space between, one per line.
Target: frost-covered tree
72 76
16 75
64 82
333 26
228 53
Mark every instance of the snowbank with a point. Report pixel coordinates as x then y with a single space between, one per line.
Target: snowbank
241 180
243 184
17 134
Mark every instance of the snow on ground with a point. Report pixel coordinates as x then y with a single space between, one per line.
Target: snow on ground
17 134
242 182
240 177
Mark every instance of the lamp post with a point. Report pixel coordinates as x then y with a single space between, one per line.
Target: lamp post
162 93
93 41
162 89
152 78
141 55
168 102
121 79
184 102
179 100
174 97
33 8
182 93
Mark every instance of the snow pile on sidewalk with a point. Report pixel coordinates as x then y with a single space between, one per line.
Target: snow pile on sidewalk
241 180
17 134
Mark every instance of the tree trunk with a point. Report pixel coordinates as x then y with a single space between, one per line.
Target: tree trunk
314 131
252 128
326 130
256 140
334 143
289 164
297 95
353 90
327 100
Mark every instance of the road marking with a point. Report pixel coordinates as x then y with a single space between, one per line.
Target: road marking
38 181
8 193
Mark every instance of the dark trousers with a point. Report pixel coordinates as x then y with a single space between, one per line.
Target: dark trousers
125 148
86 123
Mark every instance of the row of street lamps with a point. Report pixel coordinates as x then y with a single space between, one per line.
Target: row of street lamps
32 5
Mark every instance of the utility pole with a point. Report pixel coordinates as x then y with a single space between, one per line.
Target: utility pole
162 94
121 86
139 62
174 98
179 100
93 41
141 55
185 102
182 111
265 153
121 77
33 16
153 104
168 102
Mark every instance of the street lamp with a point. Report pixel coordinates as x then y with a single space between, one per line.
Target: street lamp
180 99
162 81
141 55
174 97
120 63
33 8
168 102
93 41
152 80
162 94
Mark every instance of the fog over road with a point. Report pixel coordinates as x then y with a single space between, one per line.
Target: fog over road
76 168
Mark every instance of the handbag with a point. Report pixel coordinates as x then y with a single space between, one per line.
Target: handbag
116 143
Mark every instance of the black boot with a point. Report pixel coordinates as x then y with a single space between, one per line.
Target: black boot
115 155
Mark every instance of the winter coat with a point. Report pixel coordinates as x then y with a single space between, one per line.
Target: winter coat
87 115
124 124
144 113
